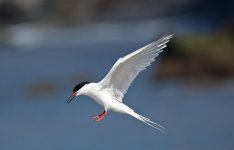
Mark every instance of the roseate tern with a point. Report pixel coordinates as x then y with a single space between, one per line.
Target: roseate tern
110 91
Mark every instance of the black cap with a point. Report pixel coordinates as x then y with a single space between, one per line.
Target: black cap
79 86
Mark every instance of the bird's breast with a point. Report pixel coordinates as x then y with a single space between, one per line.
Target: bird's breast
106 100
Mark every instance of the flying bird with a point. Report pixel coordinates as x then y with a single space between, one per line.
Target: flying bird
109 92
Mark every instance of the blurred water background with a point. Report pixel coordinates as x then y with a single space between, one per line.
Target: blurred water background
48 46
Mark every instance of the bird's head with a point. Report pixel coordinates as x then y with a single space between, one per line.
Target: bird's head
77 90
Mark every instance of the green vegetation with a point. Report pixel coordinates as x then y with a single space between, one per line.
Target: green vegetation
199 57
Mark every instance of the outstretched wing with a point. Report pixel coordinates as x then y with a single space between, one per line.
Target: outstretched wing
127 68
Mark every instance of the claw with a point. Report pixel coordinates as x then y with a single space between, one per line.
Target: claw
100 117
95 117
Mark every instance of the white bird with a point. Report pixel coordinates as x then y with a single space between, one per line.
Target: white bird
110 91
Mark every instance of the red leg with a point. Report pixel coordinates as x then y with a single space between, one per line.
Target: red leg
101 116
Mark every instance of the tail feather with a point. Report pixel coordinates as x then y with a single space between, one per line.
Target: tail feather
149 122
147 119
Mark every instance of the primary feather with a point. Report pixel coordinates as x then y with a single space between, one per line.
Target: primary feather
127 68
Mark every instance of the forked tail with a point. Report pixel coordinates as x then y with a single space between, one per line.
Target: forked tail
149 122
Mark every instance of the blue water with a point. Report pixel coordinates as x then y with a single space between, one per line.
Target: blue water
195 118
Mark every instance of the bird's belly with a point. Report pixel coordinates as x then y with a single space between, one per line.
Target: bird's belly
108 102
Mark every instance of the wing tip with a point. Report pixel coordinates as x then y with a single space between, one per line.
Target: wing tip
167 37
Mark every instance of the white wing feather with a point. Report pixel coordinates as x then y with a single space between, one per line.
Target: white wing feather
127 68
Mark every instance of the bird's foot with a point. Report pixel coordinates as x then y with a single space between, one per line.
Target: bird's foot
100 117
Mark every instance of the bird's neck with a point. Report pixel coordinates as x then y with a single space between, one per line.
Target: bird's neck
87 89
